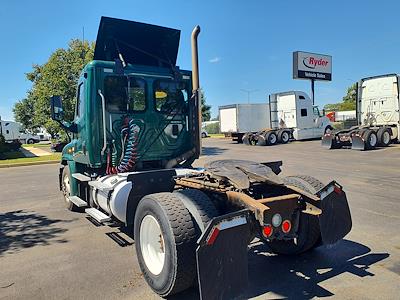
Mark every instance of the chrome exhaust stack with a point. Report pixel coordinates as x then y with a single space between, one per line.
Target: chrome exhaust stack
196 85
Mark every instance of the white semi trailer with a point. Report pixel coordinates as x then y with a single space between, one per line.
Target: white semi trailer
378 116
288 115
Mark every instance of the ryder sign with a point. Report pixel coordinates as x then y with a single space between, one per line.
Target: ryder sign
312 66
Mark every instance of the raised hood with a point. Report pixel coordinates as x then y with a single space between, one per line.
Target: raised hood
138 43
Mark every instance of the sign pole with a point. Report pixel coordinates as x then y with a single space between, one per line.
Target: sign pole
312 90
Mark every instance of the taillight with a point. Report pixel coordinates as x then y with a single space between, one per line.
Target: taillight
286 226
267 230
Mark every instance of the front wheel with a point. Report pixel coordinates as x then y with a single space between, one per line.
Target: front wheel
66 189
165 241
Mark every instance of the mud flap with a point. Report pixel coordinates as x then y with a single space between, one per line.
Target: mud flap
328 141
221 255
357 142
335 220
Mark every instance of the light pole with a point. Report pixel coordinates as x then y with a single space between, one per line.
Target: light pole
248 93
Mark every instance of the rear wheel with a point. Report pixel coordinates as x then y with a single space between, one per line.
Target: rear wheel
165 240
370 139
271 138
384 137
200 207
283 136
66 189
309 235
30 141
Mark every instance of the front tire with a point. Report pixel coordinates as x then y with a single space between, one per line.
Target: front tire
66 189
165 240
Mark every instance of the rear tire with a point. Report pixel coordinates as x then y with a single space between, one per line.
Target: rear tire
384 137
271 138
176 239
199 205
30 141
370 139
283 136
309 234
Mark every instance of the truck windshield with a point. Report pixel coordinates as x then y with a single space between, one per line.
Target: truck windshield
125 94
170 96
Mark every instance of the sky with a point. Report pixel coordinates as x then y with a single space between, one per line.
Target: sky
243 45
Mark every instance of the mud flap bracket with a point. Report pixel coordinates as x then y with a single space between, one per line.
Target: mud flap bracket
221 256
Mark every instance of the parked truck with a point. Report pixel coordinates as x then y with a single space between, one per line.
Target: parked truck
13 131
378 116
288 115
136 133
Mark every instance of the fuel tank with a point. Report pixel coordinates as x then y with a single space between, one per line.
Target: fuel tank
113 194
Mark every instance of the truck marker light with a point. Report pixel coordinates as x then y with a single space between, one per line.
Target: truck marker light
286 226
267 230
276 220
338 190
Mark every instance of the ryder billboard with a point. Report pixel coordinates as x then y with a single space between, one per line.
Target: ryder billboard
312 66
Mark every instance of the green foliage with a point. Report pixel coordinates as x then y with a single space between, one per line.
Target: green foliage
23 112
58 76
348 102
205 109
212 128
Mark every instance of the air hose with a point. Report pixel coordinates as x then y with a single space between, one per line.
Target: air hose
130 149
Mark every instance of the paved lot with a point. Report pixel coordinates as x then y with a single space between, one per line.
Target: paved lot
47 252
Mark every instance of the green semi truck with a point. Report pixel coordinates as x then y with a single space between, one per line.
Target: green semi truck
135 135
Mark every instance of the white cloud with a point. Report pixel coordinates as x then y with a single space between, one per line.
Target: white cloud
214 60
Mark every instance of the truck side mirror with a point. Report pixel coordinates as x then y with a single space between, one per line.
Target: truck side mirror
57 112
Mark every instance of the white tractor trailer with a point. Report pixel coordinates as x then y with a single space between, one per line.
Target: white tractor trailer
287 115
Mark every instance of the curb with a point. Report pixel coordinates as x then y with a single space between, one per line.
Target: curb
34 163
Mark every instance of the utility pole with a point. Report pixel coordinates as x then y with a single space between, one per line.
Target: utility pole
248 93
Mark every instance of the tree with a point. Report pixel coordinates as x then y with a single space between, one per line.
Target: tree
58 76
205 109
348 102
24 112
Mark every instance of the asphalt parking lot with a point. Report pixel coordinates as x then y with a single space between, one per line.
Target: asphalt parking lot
47 252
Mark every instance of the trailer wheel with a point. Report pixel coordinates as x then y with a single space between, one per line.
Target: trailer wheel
370 139
66 189
165 241
283 136
271 138
309 234
384 137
